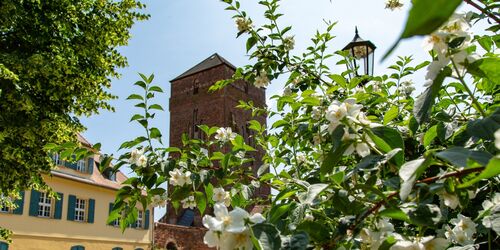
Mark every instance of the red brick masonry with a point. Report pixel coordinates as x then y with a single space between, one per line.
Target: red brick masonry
183 238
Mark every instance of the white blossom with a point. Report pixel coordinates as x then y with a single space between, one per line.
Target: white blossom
240 154
450 200
142 161
229 230
373 238
463 232
288 43
179 178
261 81
393 4
159 200
243 24
308 217
497 139
287 91
407 87
225 134
189 202
138 158
301 158
255 183
221 196
316 113
203 174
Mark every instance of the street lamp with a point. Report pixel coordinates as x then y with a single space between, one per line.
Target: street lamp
362 53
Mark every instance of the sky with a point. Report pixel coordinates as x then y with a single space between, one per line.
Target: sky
181 33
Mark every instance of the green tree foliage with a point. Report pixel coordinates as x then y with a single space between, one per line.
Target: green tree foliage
57 59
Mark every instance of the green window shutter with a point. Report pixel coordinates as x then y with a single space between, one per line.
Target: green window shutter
77 248
90 218
34 199
20 204
110 210
146 220
90 165
71 207
59 206
4 246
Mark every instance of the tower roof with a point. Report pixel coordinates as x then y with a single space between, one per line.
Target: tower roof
210 62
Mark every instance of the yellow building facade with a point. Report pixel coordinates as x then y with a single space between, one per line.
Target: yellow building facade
76 221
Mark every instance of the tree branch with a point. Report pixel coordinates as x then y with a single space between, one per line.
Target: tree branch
483 10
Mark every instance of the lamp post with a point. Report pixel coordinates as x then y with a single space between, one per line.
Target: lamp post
362 53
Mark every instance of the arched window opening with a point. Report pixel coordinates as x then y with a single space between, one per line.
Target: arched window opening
196 86
171 246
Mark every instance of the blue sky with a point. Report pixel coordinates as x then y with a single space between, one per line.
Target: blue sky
181 33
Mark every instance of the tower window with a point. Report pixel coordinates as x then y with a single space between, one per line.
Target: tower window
196 86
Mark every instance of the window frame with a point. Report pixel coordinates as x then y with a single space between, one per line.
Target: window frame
139 222
5 209
81 206
81 165
45 203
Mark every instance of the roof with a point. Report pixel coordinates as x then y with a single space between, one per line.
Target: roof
212 61
96 178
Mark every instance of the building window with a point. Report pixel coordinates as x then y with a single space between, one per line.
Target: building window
139 221
196 86
44 205
81 165
57 160
80 210
4 209
117 248
77 248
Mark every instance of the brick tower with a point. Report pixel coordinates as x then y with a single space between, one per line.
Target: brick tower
191 104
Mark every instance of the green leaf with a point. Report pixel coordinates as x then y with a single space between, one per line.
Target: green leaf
459 156
278 211
135 97
298 241
425 17
156 106
394 213
251 41
425 215
430 135
387 243
339 80
318 232
338 177
201 201
425 101
391 114
267 235
491 170
255 125
154 133
335 154
136 117
387 139
155 89
312 192
486 68
140 84
409 173
485 128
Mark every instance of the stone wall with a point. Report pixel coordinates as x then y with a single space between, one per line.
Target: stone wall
183 238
